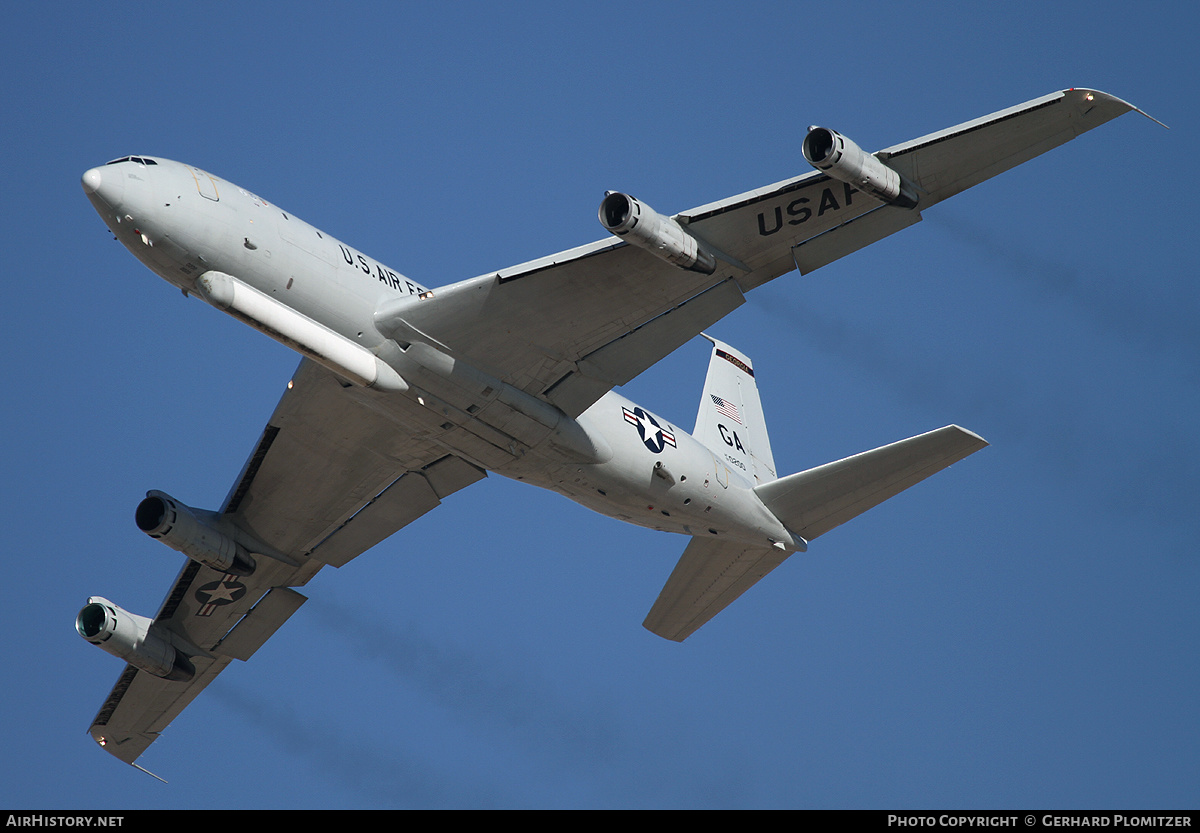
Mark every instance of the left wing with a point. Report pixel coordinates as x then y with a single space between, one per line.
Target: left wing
330 477
569 327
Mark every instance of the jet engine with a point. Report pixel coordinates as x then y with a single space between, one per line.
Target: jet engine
644 227
831 152
133 639
193 533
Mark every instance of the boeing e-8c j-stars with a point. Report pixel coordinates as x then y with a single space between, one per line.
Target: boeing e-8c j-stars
406 394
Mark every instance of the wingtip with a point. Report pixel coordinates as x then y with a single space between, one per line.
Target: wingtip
982 442
1090 94
103 743
1147 115
148 772
658 628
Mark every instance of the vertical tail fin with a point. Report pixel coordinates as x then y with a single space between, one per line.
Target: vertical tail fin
730 421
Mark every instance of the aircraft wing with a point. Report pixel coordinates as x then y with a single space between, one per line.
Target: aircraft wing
332 476
329 478
569 327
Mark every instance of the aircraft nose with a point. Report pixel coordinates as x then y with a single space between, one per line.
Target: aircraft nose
92 180
106 184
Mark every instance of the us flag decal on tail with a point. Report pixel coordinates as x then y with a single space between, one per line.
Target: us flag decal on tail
726 408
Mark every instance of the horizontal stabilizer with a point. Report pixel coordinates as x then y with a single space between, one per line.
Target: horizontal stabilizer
710 574
713 572
815 501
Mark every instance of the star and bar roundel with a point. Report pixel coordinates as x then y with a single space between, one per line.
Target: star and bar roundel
653 435
226 590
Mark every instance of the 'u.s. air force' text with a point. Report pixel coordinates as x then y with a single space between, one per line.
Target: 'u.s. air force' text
384 274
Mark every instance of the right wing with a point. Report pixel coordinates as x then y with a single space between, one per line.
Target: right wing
330 477
569 327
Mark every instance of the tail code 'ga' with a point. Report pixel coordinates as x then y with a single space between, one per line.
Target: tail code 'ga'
730 421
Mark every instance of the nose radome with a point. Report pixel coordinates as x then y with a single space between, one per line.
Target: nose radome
104 186
92 180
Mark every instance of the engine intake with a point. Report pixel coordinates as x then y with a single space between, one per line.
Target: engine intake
133 639
831 152
641 225
192 532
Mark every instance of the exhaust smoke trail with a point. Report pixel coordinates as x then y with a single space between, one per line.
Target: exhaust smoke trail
381 776
1138 460
1126 308
471 686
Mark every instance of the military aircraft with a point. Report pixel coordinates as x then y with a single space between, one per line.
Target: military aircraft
406 394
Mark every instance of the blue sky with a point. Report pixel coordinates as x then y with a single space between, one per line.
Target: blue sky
1020 631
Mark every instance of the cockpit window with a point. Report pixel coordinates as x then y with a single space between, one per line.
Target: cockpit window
141 160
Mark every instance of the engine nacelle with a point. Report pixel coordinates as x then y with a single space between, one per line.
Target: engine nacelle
644 227
188 530
831 152
133 639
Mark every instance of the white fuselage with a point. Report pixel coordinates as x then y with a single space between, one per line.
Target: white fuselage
615 458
